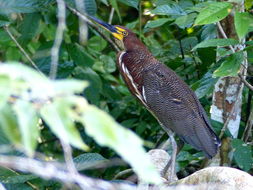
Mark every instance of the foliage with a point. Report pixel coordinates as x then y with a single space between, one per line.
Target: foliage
81 106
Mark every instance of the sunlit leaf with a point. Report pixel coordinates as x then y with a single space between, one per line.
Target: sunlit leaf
185 20
107 132
242 21
156 23
170 10
214 12
216 42
9 125
28 125
58 116
230 66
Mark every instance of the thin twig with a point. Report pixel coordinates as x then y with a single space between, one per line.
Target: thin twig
58 38
224 35
111 15
6 28
245 82
83 28
84 17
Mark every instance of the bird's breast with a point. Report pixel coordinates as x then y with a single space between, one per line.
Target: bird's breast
131 70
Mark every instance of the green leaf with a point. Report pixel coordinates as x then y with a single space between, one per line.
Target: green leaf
242 22
242 154
132 3
22 6
185 21
170 10
29 27
97 43
107 132
230 66
4 20
9 125
58 116
214 12
88 161
5 90
28 125
216 42
156 23
204 86
79 56
69 86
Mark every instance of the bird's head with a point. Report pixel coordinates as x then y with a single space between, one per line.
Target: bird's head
125 37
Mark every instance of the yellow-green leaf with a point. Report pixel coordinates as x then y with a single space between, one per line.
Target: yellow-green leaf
214 12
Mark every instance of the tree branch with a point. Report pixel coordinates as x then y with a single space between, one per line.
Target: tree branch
58 38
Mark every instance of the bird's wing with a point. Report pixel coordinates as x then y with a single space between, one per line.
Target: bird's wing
177 108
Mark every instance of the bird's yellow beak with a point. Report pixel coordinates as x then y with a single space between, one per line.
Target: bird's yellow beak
116 31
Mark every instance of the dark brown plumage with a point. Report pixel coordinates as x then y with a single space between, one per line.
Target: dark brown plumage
169 98
162 92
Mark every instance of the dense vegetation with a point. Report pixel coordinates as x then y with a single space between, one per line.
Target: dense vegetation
39 116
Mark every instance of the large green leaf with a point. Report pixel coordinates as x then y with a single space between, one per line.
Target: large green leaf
214 12
107 132
242 154
79 56
5 91
29 27
242 22
215 43
156 23
28 125
9 125
170 10
185 20
230 66
58 116
22 6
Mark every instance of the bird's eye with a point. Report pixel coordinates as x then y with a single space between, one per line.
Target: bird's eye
124 33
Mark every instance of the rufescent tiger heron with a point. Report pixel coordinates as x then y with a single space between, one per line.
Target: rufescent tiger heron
163 93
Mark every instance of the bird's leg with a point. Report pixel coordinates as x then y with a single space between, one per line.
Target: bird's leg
173 157
170 167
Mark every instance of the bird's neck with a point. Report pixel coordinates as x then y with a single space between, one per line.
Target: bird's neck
135 45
